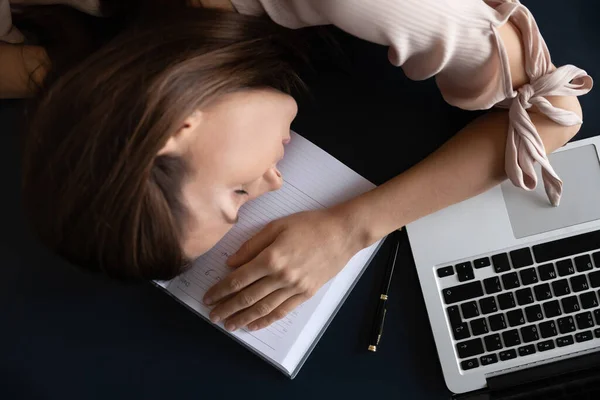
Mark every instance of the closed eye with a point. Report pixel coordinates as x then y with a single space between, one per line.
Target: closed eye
241 192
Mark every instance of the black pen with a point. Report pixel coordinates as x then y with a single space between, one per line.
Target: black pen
383 297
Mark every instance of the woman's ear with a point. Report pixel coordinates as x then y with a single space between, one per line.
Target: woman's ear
179 141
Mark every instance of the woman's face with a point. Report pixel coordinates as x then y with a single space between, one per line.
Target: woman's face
232 147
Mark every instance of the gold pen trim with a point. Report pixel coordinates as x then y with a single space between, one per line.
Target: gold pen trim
372 348
383 297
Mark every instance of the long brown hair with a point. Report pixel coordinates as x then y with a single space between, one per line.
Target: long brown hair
93 186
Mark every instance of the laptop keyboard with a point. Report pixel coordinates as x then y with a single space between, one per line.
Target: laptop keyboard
537 299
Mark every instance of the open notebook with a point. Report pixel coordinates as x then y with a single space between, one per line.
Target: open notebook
313 179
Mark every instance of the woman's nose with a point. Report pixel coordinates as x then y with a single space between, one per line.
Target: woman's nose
272 179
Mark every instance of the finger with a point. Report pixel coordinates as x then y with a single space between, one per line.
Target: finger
246 298
253 246
236 281
279 313
261 309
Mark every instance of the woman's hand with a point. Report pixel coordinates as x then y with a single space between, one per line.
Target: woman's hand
22 70
281 267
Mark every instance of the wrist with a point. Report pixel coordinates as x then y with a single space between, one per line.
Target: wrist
355 223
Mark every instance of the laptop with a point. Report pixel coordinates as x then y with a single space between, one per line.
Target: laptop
512 286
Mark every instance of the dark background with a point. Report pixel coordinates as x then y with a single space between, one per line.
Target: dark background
67 335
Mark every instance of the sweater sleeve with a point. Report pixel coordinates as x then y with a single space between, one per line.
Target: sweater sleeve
457 41
8 33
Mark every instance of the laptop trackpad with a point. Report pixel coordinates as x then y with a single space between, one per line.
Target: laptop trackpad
531 213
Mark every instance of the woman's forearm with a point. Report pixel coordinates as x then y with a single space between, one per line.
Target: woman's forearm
467 165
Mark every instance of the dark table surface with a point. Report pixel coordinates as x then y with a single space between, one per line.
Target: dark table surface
67 335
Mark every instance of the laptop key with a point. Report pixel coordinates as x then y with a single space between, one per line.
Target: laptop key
561 288
500 262
548 329
597 316
454 315
506 301
529 333
594 279
584 336
545 346
497 322
507 355
579 283
564 341
467 291
524 296
489 359
493 342
470 348
469 364
583 263
461 331
479 327
445 271
526 350
570 304
511 338
547 272
464 271
470 309
488 305
568 246
596 257
566 325
510 281
534 313
515 317
521 258
597 333
565 267
552 309
529 276
542 292
588 300
492 285
584 320
482 262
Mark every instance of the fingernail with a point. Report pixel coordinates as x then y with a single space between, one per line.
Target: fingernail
230 327
208 301
253 327
215 318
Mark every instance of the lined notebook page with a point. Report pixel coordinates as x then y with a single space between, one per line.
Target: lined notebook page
313 179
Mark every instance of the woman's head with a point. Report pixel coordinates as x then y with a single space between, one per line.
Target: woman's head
138 159
231 147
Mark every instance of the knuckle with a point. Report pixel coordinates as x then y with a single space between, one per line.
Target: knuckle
287 276
307 290
246 247
263 309
271 226
274 260
278 314
246 300
235 284
303 285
